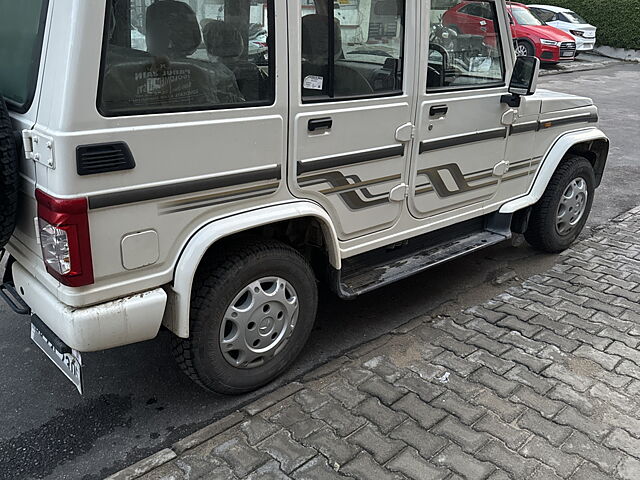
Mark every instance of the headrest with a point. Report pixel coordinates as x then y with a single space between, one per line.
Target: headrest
315 32
172 29
223 40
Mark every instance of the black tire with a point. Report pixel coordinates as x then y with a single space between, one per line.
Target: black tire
200 356
526 44
8 176
542 232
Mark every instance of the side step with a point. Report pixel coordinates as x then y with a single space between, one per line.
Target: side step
370 271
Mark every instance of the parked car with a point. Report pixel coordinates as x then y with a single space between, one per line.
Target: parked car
159 188
535 38
570 22
532 36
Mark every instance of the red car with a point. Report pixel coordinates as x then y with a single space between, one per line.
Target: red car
532 36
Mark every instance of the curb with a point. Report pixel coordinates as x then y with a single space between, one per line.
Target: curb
158 459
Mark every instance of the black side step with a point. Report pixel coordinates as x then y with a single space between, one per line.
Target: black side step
12 298
370 271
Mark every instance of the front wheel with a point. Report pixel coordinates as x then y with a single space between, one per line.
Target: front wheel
562 212
252 312
524 49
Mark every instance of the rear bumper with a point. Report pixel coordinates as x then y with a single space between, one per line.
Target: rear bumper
112 324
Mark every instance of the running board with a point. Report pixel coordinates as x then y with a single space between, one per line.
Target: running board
373 270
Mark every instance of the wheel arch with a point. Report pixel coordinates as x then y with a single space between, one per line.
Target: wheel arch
176 317
590 143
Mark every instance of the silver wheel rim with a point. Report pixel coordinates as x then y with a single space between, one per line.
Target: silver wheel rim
521 50
259 322
573 204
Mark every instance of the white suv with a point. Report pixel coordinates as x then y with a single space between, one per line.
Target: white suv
570 22
189 187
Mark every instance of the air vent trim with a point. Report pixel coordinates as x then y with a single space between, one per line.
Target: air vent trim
103 158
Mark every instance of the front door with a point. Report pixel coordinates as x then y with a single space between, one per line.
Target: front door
461 141
351 107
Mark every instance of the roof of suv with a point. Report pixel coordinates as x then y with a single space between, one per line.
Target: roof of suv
552 8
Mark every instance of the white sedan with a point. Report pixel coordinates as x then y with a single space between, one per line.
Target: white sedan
570 22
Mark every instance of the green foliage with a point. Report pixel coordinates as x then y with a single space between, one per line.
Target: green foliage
618 21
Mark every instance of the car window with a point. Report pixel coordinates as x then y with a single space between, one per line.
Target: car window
21 33
573 17
171 55
465 50
523 16
351 49
544 15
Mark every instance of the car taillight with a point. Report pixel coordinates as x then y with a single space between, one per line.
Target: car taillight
64 237
577 33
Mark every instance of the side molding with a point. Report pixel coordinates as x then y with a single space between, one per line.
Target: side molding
176 316
549 165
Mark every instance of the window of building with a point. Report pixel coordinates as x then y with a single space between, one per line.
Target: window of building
172 55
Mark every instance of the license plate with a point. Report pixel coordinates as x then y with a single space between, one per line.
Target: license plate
567 54
69 362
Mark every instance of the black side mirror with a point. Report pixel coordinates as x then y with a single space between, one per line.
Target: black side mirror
524 80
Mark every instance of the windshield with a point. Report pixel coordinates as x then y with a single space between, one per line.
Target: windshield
523 16
573 17
21 33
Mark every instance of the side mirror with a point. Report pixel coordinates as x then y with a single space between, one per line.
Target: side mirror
524 80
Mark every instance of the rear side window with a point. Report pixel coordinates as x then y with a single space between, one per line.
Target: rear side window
21 33
352 49
171 55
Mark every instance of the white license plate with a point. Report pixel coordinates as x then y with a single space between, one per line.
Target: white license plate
69 363
567 54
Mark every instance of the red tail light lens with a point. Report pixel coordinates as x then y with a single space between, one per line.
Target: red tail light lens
64 237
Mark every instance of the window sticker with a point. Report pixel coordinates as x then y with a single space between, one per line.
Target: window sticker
313 82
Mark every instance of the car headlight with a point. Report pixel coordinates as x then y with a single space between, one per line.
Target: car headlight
577 33
551 43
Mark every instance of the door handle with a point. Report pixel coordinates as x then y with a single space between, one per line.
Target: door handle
439 110
324 123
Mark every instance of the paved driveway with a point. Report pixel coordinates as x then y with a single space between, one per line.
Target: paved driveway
542 381
137 402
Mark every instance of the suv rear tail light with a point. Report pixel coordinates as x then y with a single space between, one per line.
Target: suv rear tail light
64 237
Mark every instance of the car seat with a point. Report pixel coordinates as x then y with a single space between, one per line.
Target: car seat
315 57
225 44
165 78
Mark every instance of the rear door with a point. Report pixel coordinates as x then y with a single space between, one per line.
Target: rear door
351 72
461 141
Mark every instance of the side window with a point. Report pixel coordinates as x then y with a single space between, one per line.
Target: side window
174 55
465 48
351 48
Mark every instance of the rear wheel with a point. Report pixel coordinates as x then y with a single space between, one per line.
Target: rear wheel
562 212
8 176
252 312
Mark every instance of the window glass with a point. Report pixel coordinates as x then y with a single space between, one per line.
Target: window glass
544 15
21 32
465 49
573 17
173 55
524 16
352 48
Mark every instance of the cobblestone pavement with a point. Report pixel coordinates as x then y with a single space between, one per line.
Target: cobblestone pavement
541 382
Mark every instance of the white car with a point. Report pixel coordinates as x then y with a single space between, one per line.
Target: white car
570 22
174 187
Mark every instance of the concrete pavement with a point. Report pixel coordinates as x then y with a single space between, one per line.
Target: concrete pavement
542 381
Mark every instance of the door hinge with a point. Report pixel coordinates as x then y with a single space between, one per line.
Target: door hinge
406 132
399 193
38 147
